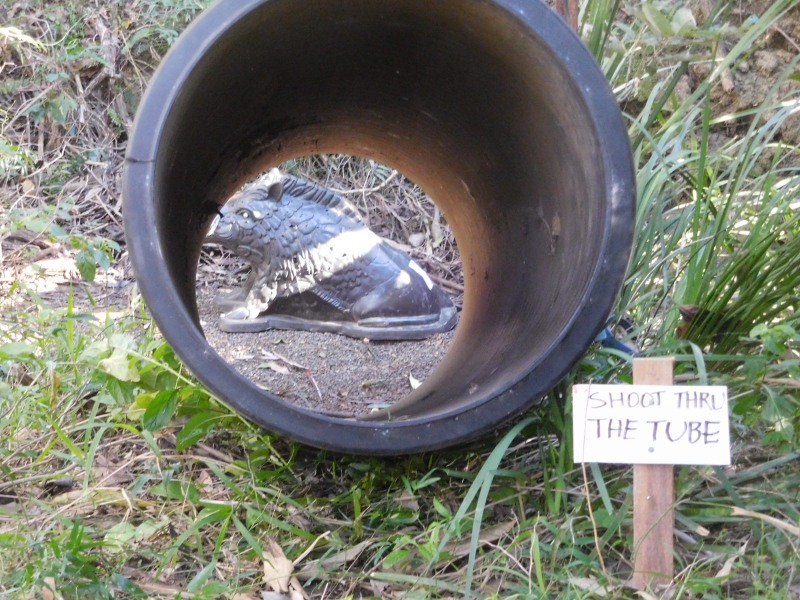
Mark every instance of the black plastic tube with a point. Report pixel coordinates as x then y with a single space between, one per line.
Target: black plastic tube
494 107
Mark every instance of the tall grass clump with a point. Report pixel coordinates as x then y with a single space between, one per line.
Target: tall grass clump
71 75
716 262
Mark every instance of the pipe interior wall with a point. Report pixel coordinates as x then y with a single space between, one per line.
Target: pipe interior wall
493 107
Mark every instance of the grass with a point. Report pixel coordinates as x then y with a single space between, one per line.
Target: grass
122 477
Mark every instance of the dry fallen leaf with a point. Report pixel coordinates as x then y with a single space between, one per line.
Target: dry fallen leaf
380 589
413 381
49 589
727 568
416 239
276 366
278 574
487 536
277 568
407 500
335 560
28 187
589 584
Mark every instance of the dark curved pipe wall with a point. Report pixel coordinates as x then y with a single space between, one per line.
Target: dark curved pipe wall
494 107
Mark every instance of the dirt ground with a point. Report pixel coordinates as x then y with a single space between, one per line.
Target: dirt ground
334 374
763 75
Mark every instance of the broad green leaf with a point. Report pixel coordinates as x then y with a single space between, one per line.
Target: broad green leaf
683 21
119 536
118 365
121 340
442 509
86 265
195 429
16 350
657 20
94 351
147 529
177 490
160 410
37 225
139 405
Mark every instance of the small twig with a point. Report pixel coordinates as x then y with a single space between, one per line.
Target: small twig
148 585
104 205
310 549
446 283
788 38
27 237
314 382
214 453
782 381
291 363
34 478
302 368
362 191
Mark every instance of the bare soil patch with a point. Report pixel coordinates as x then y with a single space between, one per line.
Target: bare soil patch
330 373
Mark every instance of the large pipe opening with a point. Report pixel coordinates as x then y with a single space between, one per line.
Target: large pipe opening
493 107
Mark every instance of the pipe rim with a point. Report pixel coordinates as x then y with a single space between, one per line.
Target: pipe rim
415 434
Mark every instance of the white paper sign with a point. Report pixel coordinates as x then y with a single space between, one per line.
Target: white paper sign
651 424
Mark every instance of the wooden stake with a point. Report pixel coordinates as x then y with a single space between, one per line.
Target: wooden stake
653 497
